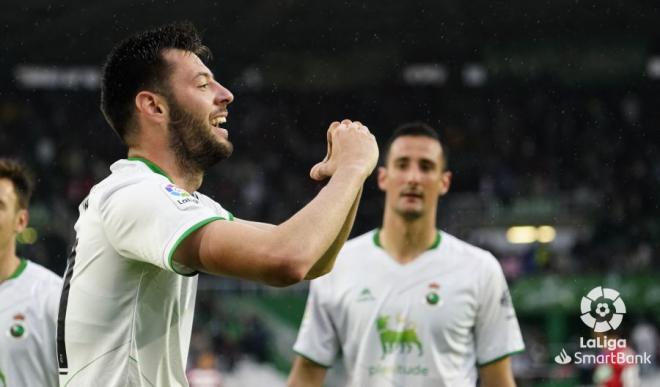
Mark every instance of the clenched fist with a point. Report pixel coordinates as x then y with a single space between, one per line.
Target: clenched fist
350 145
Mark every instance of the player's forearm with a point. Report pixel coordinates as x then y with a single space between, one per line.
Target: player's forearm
497 374
304 373
310 233
301 381
327 261
276 255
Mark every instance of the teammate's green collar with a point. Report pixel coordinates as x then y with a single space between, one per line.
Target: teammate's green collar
435 244
19 270
152 166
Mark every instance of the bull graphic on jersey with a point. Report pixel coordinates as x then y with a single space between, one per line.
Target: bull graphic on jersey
404 339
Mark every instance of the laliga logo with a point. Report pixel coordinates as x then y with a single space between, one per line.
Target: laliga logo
602 309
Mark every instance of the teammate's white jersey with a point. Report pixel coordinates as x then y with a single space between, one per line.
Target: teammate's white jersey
28 314
127 308
425 323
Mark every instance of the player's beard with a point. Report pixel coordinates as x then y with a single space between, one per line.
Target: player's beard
409 215
191 138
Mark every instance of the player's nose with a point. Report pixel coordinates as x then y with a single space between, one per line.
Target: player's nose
223 95
413 175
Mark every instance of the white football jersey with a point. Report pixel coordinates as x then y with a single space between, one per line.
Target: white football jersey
28 314
428 322
126 311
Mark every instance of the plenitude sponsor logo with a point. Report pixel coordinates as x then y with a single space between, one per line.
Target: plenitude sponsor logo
381 369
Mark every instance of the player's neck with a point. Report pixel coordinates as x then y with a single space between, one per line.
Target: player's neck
9 262
404 239
190 181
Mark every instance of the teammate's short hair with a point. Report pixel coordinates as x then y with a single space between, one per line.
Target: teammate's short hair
416 129
18 174
137 64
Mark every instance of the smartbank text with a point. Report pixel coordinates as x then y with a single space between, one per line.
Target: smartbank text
608 358
611 358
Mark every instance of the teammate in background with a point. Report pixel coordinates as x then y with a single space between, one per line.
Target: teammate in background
29 293
144 232
205 373
407 304
615 373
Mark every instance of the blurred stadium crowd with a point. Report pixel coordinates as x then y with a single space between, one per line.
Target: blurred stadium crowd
594 153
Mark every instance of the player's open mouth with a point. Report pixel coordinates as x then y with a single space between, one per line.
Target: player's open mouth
217 121
412 195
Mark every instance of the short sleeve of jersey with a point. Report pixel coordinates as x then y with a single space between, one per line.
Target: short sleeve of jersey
146 221
317 339
497 333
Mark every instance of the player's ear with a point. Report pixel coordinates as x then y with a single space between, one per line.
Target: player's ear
22 219
382 178
151 106
445 182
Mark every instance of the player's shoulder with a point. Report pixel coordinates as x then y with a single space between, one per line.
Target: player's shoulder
210 202
41 276
126 174
359 245
349 259
465 251
363 241
355 253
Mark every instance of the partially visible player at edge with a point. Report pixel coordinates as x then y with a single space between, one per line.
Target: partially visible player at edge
408 304
144 232
29 293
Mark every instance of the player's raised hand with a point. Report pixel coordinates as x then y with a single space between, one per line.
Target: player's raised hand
314 172
350 145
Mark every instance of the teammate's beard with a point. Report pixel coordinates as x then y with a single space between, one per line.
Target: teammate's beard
409 216
195 147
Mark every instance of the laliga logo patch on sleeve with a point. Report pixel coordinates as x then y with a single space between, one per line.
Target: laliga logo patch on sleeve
180 197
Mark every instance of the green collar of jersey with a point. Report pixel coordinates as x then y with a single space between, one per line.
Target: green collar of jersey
435 244
152 166
19 270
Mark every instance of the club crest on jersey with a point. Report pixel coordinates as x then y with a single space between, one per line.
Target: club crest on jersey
180 197
433 296
17 330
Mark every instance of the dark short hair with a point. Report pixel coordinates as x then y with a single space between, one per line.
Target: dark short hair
137 64
416 129
20 177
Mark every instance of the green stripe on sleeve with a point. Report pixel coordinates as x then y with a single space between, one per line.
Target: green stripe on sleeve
183 236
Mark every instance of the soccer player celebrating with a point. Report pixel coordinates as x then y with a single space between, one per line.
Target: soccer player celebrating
29 293
407 304
144 232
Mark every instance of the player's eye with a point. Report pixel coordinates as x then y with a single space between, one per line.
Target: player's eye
426 167
204 86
